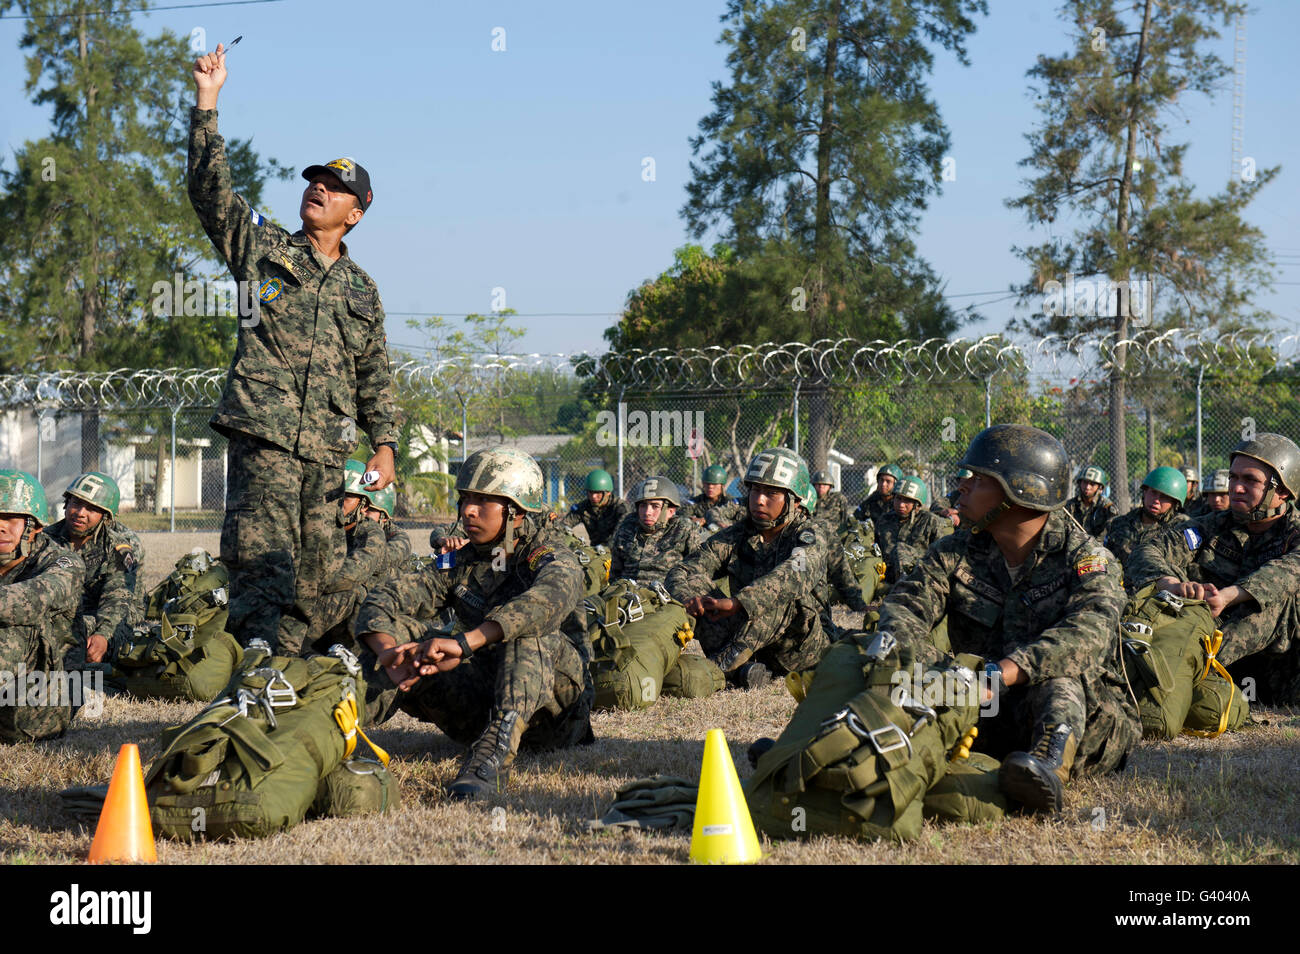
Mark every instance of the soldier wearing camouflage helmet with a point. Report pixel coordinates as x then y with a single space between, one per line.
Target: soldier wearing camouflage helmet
651 541
881 500
1215 497
40 590
1245 564
773 614
517 674
113 597
1193 487
713 509
906 532
1027 589
833 508
1090 506
601 512
1163 492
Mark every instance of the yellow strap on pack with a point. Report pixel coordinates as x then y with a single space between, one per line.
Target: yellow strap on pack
1212 646
345 714
880 571
962 751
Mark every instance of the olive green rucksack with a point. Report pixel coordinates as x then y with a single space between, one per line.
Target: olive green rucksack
181 650
867 566
259 758
1170 647
861 752
595 561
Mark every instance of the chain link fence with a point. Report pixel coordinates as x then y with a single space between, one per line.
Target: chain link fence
847 405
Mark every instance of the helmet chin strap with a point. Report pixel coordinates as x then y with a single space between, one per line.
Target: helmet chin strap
508 538
24 544
1263 511
983 522
781 519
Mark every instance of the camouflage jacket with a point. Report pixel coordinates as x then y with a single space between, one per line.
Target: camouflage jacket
833 510
1197 507
1216 549
38 602
539 591
1060 618
904 542
794 566
375 549
1127 532
943 504
311 366
1095 517
113 597
717 514
600 523
875 507
648 556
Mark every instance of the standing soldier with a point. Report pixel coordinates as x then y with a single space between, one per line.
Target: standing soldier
1245 564
112 599
1163 492
40 588
651 541
880 501
517 675
601 512
1091 507
832 506
906 532
1026 589
759 588
310 370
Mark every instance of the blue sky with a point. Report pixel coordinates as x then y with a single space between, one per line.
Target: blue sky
522 169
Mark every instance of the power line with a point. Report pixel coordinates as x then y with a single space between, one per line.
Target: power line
96 13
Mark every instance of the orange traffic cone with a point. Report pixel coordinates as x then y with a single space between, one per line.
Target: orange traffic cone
124 832
724 832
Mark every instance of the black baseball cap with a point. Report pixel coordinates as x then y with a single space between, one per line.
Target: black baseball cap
351 173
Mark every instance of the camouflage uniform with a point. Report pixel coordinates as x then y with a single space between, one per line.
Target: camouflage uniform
1261 634
904 542
376 549
1095 517
38 602
539 669
834 511
600 523
113 598
1126 532
782 585
1059 622
310 371
647 555
1198 507
719 513
875 506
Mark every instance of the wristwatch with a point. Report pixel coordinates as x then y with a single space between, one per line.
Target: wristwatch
463 643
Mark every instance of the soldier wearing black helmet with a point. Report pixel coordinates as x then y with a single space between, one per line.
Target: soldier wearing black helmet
1027 589
1245 564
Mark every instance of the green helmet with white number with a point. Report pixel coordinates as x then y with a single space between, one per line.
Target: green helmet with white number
782 468
353 471
503 472
913 488
21 494
1093 474
97 489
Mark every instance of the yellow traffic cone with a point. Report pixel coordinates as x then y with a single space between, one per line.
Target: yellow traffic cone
124 832
724 833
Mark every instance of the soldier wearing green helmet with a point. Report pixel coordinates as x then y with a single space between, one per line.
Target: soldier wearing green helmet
1245 563
906 532
41 587
1091 507
514 670
759 589
601 512
113 597
1163 493
713 509
881 500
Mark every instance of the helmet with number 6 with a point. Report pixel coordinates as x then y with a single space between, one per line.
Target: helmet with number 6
782 468
98 489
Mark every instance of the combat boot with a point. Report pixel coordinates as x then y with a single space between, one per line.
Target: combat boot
488 764
753 675
1036 779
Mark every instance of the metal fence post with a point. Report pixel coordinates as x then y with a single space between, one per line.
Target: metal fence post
622 431
1200 457
172 474
797 382
988 401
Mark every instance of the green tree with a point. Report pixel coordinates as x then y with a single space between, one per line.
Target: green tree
818 159
1102 158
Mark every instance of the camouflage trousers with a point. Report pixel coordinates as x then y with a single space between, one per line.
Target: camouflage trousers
46 712
1106 728
1263 644
282 540
789 638
543 678
332 618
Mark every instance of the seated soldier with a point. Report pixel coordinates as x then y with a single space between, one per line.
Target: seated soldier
1245 564
906 532
1090 506
1163 491
651 541
774 615
832 506
1193 499
113 597
1027 589
376 548
40 589
1214 499
518 673
880 501
713 509
601 512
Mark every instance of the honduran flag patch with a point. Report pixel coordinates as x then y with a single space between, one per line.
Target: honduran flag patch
1193 538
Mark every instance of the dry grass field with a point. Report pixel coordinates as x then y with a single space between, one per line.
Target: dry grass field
1190 801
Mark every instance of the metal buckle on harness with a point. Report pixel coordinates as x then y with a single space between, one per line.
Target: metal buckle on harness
220 597
633 611
349 658
884 644
660 591
1137 646
278 691
901 741
1174 602
583 556
923 712
243 701
1135 626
